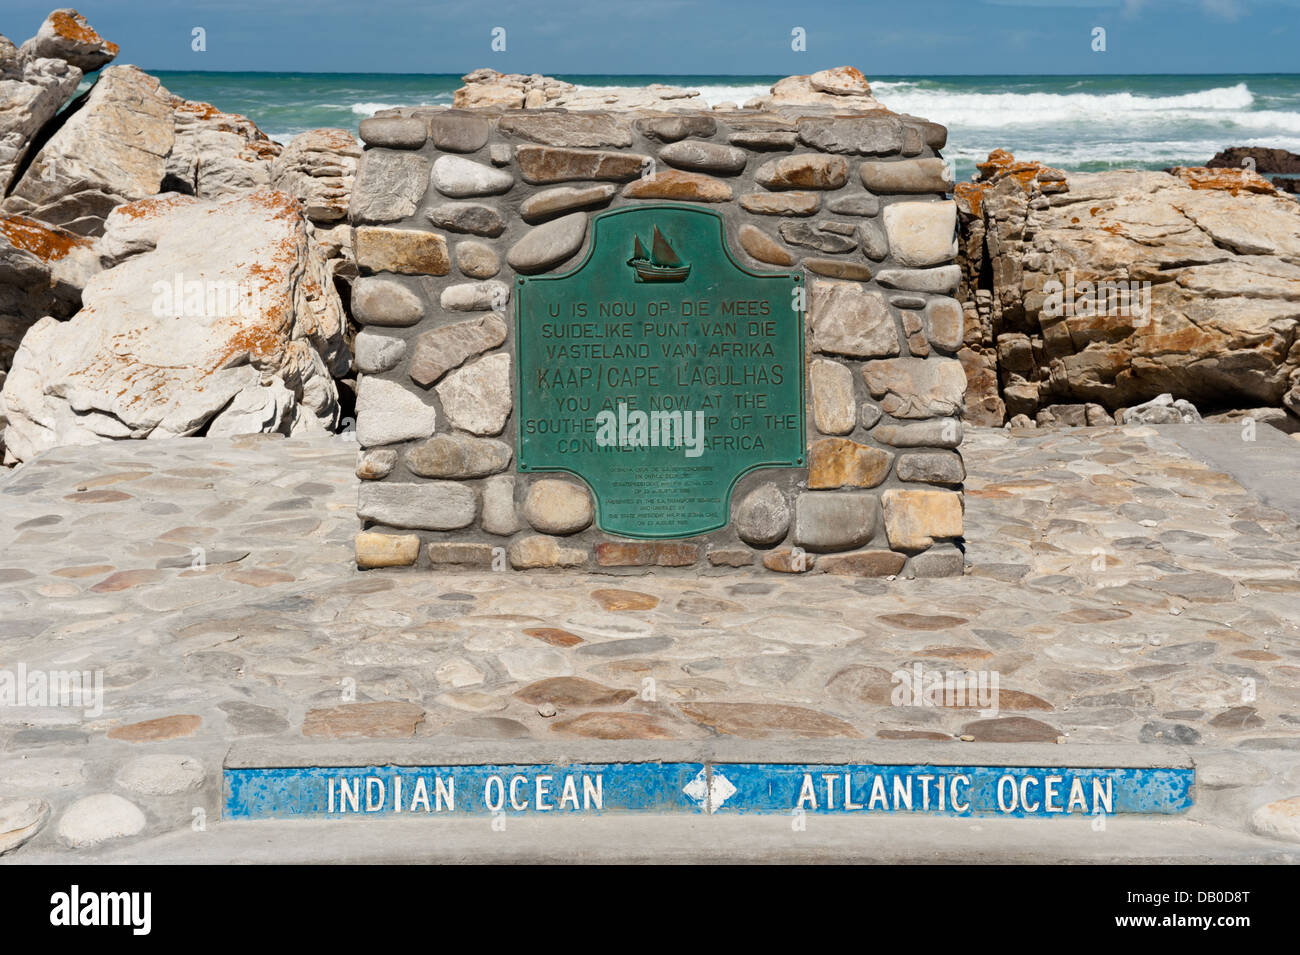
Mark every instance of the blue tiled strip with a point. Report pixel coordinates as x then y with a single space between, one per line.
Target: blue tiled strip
723 788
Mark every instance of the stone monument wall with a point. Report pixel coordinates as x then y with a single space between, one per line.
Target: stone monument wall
451 207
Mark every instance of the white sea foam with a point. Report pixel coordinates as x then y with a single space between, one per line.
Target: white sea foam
369 109
1143 153
732 94
1224 104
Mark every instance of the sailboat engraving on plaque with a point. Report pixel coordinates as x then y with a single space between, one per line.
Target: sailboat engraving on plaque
661 265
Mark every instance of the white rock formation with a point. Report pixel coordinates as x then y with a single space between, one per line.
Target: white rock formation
223 321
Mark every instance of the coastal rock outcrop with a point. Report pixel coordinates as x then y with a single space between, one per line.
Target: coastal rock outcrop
1116 287
65 35
842 87
1264 161
42 272
318 168
32 88
109 147
487 87
128 138
223 321
215 153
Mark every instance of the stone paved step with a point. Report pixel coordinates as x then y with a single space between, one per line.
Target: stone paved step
1123 590
690 840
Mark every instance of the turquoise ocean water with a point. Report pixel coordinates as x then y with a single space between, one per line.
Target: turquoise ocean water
1074 122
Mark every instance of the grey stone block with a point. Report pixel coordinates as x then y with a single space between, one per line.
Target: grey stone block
835 521
432 505
395 132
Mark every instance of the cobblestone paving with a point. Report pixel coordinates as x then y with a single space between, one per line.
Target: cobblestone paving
1120 590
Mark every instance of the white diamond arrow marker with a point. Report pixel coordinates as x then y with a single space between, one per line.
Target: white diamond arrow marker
709 793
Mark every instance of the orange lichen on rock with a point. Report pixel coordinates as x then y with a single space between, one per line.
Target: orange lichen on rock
255 341
970 197
152 207
1032 177
1231 181
43 241
71 25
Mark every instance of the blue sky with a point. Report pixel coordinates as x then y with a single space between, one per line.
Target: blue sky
676 36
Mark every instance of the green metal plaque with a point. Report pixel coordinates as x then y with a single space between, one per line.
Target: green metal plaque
660 371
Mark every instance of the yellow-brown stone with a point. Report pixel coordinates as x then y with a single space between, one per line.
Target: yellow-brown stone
841 462
763 247
646 554
1231 181
913 519
573 691
763 720
554 636
388 720
154 731
781 203
861 563
624 600
386 550
544 164
408 251
682 186
788 560
603 724
804 171
838 269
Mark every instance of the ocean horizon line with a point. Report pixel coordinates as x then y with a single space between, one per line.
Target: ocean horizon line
880 76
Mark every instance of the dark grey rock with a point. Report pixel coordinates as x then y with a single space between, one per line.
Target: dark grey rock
458 132
554 127
762 518
855 204
764 140
625 648
706 157
858 136
394 132
907 301
669 129
251 719
549 244
944 560
875 244
471 217
811 236
1173 734
932 467
1183 652
835 521
388 186
434 506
